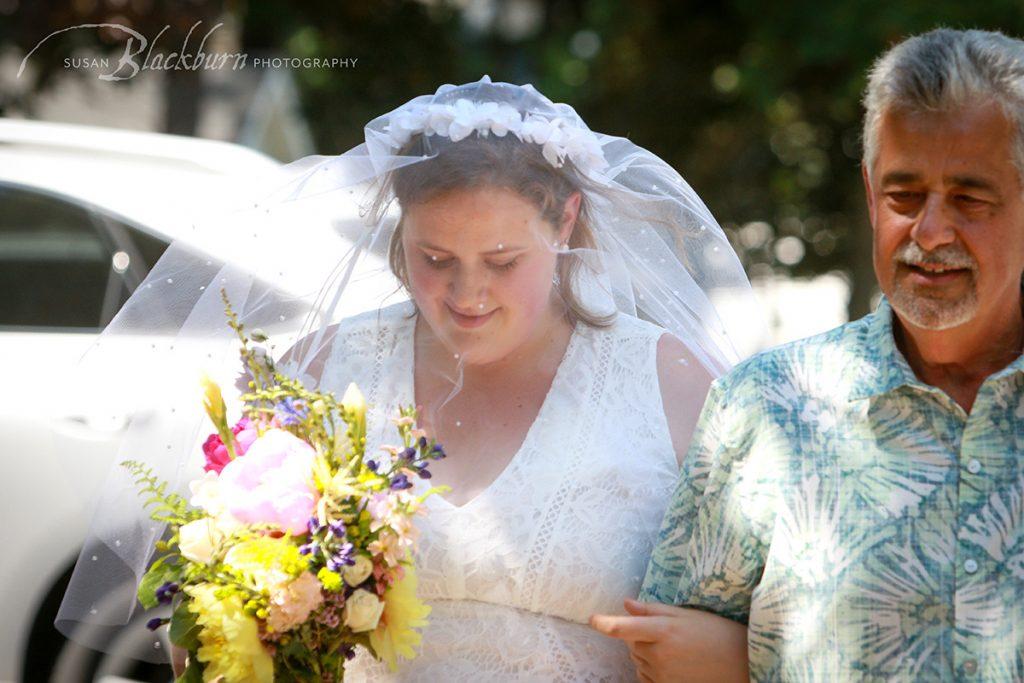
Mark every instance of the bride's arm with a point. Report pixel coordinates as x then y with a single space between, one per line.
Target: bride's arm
684 383
179 660
669 643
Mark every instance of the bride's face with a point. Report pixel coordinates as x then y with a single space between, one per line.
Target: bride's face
480 264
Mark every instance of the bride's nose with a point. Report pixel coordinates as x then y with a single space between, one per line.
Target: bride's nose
467 288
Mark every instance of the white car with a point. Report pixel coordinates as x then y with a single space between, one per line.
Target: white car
84 215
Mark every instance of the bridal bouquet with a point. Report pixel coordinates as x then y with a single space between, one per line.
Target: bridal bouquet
294 548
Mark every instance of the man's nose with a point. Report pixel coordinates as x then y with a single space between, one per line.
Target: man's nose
934 227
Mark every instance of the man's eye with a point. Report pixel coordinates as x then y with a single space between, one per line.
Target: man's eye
969 200
904 196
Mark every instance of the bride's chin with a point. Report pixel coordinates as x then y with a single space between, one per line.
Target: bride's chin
477 350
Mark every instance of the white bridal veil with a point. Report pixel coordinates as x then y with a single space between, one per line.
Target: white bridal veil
310 249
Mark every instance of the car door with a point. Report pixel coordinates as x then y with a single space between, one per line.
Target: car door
65 270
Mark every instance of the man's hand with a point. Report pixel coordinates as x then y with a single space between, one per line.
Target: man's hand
677 644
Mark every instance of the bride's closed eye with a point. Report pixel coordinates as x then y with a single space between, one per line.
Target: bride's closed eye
442 263
506 266
438 263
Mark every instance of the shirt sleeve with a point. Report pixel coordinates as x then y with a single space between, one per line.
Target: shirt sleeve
708 554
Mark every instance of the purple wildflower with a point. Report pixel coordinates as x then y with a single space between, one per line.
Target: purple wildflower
342 558
165 593
291 411
371 465
309 548
400 482
155 623
338 529
314 525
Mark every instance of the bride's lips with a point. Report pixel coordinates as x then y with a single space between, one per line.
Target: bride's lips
469 321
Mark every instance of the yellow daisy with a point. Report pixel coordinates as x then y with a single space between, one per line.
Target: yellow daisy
396 635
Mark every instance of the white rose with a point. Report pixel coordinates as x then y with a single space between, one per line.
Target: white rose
358 572
206 494
362 611
198 539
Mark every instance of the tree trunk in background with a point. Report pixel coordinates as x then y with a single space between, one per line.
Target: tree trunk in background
863 283
183 93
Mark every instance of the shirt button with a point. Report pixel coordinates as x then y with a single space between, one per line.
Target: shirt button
973 466
971 667
970 566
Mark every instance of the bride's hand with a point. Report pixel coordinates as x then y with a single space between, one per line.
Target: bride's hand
669 643
179 660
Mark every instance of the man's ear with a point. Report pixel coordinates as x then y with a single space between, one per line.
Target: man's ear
570 212
869 194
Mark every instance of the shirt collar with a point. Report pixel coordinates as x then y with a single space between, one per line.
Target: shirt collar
883 366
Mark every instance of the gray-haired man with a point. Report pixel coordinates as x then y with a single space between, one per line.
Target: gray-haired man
857 498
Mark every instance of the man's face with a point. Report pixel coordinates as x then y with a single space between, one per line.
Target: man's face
946 205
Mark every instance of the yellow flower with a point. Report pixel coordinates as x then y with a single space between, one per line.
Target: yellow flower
213 401
396 634
321 472
330 580
355 406
229 641
265 562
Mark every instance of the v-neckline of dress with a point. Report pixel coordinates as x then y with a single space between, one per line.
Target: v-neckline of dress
409 380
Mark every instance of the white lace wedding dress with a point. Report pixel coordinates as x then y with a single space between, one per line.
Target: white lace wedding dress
563 532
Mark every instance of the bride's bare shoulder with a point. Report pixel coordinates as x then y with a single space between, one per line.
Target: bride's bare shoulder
361 329
684 382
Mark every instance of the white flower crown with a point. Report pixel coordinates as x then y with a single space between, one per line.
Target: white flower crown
558 138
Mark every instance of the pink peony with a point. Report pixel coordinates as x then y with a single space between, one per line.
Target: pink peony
217 453
273 483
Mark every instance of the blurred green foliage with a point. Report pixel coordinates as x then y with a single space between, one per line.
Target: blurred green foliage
756 104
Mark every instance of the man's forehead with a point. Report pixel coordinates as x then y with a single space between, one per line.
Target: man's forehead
986 116
977 181
970 147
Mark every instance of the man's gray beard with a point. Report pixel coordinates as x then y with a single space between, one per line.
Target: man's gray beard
934 314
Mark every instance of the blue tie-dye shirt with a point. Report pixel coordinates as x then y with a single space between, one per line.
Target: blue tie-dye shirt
858 520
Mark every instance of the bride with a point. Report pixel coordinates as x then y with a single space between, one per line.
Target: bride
564 418
559 310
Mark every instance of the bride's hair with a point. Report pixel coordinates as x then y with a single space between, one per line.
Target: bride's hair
500 162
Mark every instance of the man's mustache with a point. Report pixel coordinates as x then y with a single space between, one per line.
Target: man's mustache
946 256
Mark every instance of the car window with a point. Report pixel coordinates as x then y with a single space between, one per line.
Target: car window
67 266
133 254
53 262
